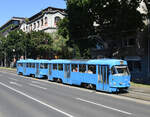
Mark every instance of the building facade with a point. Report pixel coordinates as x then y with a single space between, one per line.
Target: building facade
12 24
46 20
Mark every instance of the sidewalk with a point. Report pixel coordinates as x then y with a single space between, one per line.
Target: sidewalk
137 92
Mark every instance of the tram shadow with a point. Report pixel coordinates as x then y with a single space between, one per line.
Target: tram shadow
121 91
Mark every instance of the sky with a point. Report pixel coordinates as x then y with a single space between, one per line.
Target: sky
25 8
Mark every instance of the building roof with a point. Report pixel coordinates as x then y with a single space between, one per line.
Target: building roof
47 10
12 19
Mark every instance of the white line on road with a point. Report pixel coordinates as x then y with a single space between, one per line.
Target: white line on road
104 106
37 82
37 86
49 106
13 79
14 83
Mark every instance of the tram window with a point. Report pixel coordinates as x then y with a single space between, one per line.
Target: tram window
27 64
42 66
82 68
45 65
122 70
33 65
74 68
60 67
54 66
21 64
113 71
92 69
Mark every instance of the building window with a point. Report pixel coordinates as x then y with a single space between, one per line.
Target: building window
31 27
38 24
26 28
46 21
34 26
41 22
57 19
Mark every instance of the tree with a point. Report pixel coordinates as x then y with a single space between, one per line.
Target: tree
60 47
39 44
14 45
115 16
63 27
116 19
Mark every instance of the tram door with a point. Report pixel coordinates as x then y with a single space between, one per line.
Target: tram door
24 68
37 69
103 77
67 72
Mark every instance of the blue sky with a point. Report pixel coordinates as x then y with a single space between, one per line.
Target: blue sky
25 8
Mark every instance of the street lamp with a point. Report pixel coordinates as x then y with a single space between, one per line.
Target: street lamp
14 59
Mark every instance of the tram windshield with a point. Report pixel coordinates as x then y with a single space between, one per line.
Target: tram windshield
120 70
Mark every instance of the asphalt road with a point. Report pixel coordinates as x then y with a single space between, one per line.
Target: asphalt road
28 97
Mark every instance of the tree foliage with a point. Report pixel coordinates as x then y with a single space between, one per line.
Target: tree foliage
115 19
116 15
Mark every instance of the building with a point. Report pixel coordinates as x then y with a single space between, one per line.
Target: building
46 20
10 25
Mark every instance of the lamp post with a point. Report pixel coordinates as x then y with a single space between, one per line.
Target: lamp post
14 59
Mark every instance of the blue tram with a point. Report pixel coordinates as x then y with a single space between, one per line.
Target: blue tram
110 75
35 68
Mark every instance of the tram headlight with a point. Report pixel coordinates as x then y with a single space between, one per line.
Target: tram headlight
114 83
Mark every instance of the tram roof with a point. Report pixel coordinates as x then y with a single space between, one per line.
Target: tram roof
33 61
91 61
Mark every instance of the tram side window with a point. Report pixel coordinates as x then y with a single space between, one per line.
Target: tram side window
113 71
27 64
32 65
45 65
54 66
92 69
60 67
42 66
74 68
20 64
82 68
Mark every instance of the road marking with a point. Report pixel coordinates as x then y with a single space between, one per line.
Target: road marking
101 105
13 79
38 82
43 103
14 83
37 86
